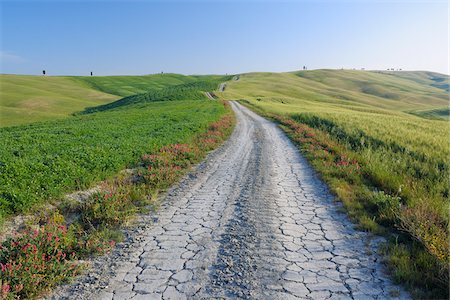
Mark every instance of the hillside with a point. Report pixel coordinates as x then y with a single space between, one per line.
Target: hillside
27 99
187 91
131 85
437 80
357 90
377 141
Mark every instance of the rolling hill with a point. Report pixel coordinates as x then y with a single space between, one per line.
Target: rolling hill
28 99
380 141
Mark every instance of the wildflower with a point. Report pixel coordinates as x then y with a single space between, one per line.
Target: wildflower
18 288
5 290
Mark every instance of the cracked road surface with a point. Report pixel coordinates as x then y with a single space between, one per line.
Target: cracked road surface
252 222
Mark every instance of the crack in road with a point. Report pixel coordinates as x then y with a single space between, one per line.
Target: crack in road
252 222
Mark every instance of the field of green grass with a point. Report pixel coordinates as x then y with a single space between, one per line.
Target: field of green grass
186 91
27 99
131 85
393 127
44 160
73 133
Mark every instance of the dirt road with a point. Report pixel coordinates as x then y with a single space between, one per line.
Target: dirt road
252 222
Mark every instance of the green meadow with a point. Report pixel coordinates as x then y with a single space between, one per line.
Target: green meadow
130 149
27 99
394 127
85 143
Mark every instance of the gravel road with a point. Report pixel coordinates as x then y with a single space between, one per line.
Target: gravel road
251 222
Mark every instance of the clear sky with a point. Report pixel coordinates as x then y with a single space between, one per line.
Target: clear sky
204 37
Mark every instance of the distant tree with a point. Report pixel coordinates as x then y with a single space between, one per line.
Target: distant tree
304 67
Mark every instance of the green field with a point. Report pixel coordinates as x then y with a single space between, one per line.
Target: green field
42 160
393 126
28 99
186 91
131 85
157 134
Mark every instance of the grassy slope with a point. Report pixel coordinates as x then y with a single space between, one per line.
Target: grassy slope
43 160
367 114
27 99
338 95
427 78
186 91
130 85
40 162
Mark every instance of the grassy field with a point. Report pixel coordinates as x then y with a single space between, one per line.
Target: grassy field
186 91
373 139
161 127
41 256
131 85
42 161
28 99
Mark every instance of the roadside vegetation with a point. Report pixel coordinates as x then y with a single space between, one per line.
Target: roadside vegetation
388 167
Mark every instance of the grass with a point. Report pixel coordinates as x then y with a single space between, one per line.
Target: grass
130 85
149 133
41 257
388 166
436 113
27 99
427 78
42 161
187 91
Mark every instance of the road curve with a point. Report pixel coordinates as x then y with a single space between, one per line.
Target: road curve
252 222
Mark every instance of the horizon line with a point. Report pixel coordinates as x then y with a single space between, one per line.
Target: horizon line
224 74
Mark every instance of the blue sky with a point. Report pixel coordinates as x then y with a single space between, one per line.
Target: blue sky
203 37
